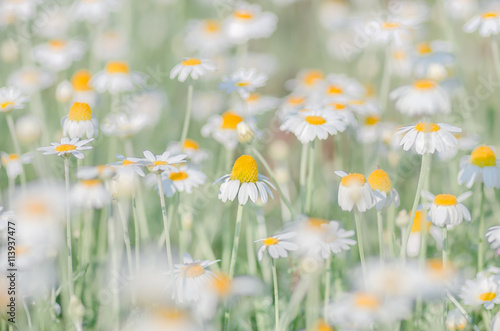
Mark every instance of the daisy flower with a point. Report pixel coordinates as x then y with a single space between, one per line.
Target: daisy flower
93 11
243 81
391 32
369 128
123 124
14 11
343 86
257 104
58 54
206 37
191 148
13 163
81 89
481 166
488 23
162 162
424 97
223 128
90 193
447 210
335 239
418 227
195 68
340 108
30 80
191 278
308 125
354 190
183 180
111 45
429 137
67 148
493 236
116 78
433 59
383 192
483 290
80 122
129 162
307 81
455 320
11 98
277 246
103 172
245 182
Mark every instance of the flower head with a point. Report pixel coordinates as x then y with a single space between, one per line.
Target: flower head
191 67
67 147
481 166
277 246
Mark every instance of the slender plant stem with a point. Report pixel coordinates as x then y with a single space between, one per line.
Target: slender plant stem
480 238
462 310
126 237
276 297
360 243
445 246
380 228
236 240
137 243
310 177
68 229
302 176
187 119
273 177
17 148
328 275
424 170
295 300
165 222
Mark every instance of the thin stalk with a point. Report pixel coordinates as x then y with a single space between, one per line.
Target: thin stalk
187 119
360 243
445 246
380 228
252 263
165 222
137 234
294 302
302 176
310 177
328 275
68 229
424 170
462 310
276 297
126 238
480 240
17 147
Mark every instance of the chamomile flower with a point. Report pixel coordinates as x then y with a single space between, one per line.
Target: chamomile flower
13 163
447 210
488 23
67 147
14 11
223 128
354 191
455 320
58 54
369 127
338 86
340 108
11 98
432 59
277 246
129 162
308 125
428 137
30 80
483 290
183 180
162 162
257 104
80 122
111 45
94 11
481 166
103 172
195 68
191 278
244 182
82 90
90 193
424 97
392 32
123 124
206 37
116 78
383 192
493 236
307 81
335 239
419 226
192 149
243 81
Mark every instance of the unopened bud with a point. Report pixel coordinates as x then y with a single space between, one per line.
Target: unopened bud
244 132
402 219
64 91
28 129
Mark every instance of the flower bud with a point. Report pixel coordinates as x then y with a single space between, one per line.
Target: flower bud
9 51
64 91
28 129
402 219
244 132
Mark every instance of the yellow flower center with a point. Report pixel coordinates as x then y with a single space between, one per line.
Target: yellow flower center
424 84
372 120
117 67
157 163
483 156
8 158
65 148
270 241
390 25
315 222
489 15
334 89
315 120
445 200
337 106
424 48
222 284
311 77
91 182
242 84
253 97
353 180
6 104
192 271
36 208
427 127
243 14
366 301
399 55
245 170
80 80
212 26
57 44
80 111
379 180
296 100
191 144
169 314
322 326
417 223
191 62
127 162
230 120
181 175
438 270
487 296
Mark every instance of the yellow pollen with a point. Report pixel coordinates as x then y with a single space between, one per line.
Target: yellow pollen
424 84
353 180
270 241
424 48
8 158
36 207
157 163
304 110
117 67
191 144
181 175
169 314
80 80
337 106
379 180
357 102
222 284
242 84
230 120
367 301
296 100
372 120
315 222
127 162
6 104
490 15
253 97
245 170
311 77
390 25
417 223
191 62
243 14
427 127
487 296
322 326
483 156
192 271
57 43
65 148
80 111
399 55
445 200
334 89
212 26
315 120
91 182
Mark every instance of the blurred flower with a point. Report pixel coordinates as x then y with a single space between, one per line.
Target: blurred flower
80 122
493 236
116 78
13 11
206 37
244 133
192 150
488 24
455 320
392 32
257 104
103 172
428 137
383 192
58 54
277 246
30 80
419 226
90 193
481 166
11 98
13 163
82 90
94 11
483 290
447 210
183 180
123 124
28 128
424 97
111 45
67 148
337 86
223 128
162 162
191 67
164 318
191 278
243 81
354 190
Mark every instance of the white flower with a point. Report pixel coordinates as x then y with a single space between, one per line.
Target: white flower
80 122
90 193
493 236
428 137
103 172
129 162
447 210
455 320
223 128
243 81
191 67
245 182
183 180
483 290
94 11
191 278
335 239
277 246
11 98
248 22
13 163
116 78
58 54
67 148
481 166
383 192
420 226
123 124
391 32
424 97
342 86
257 104
192 149
206 37
30 80
488 24
354 190
162 162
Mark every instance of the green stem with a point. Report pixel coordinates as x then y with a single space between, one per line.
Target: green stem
380 228
302 176
137 236
328 276
480 240
445 246
68 228
187 119
276 296
165 222
17 147
360 243
310 178
126 238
